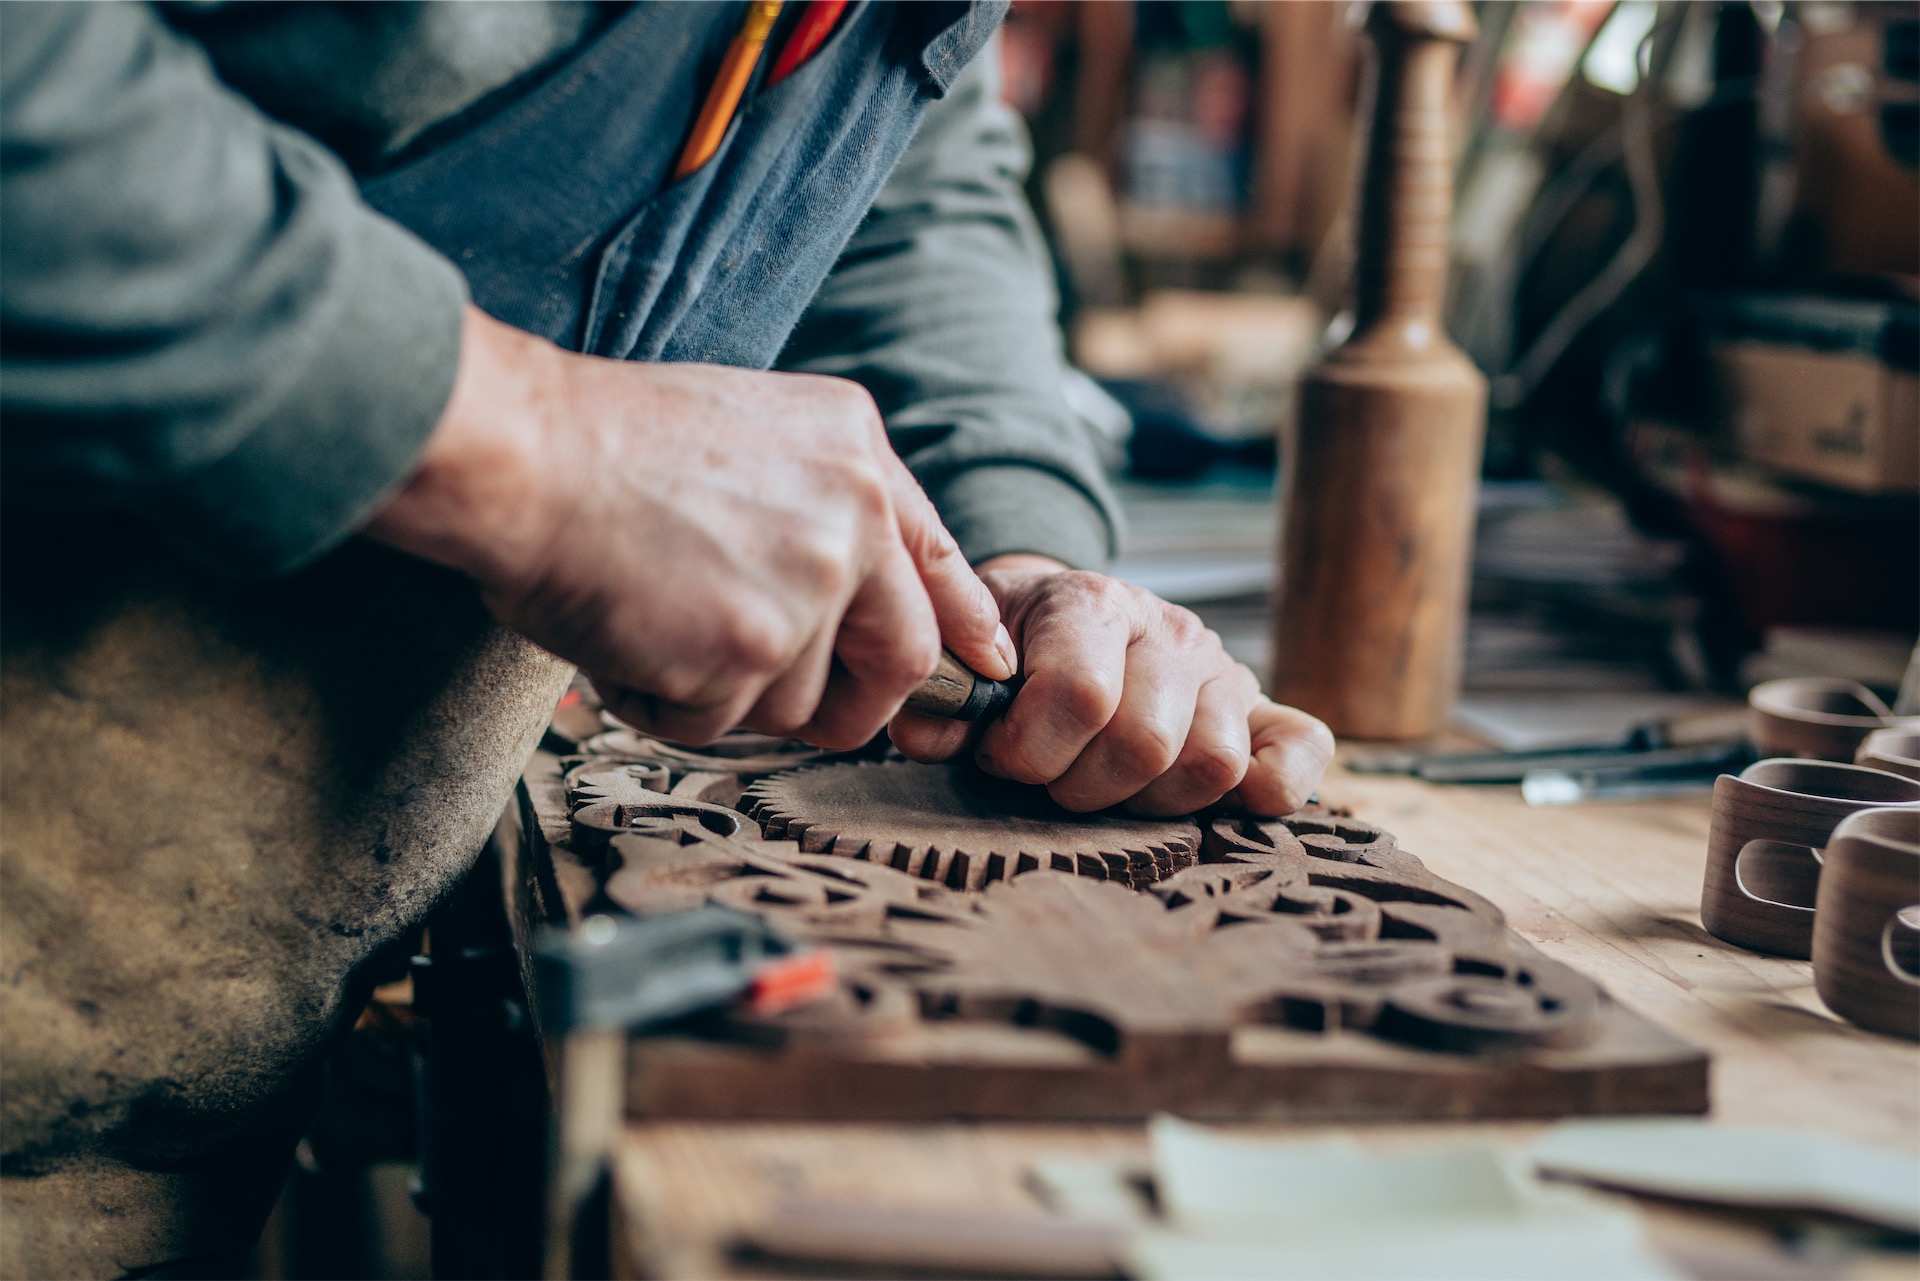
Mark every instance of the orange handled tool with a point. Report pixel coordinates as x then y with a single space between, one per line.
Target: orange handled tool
723 97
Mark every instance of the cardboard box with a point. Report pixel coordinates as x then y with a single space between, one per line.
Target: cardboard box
1841 418
1821 390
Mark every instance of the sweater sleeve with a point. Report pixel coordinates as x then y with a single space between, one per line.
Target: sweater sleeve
943 307
200 321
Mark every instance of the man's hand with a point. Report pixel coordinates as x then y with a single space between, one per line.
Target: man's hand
1128 699
714 546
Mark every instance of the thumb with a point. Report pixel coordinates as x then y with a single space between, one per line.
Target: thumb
969 617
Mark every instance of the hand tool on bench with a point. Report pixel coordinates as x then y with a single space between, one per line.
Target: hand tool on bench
1687 737
613 975
1649 774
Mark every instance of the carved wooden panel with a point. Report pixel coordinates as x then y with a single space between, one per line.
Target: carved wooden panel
1005 959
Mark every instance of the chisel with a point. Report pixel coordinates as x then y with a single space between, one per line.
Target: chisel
956 692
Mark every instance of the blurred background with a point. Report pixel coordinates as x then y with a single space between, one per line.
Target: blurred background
1685 247
1686 253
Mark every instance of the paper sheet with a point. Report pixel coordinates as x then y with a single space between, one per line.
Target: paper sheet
1248 1208
1776 1169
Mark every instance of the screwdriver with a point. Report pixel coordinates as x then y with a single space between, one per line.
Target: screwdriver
955 692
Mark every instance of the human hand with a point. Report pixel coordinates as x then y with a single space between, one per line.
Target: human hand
714 546
1127 698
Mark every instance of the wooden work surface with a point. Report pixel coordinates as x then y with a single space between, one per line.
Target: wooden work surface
1610 888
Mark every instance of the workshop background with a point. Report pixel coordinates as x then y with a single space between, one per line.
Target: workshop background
1686 255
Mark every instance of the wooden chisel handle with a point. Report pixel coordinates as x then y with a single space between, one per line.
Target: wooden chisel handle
956 692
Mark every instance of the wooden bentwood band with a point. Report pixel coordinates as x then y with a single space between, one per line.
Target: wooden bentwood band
1813 717
1866 926
1762 875
1895 750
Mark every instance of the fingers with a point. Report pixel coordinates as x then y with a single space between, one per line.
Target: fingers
724 670
928 738
1074 644
1147 732
792 700
1130 700
887 643
1216 754
968 617
655 716
1291 752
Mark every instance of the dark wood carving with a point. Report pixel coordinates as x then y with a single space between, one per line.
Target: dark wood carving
961 827
1001 958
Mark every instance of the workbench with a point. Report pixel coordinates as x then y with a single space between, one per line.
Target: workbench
1610 888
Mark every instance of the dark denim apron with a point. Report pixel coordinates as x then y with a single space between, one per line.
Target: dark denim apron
562 209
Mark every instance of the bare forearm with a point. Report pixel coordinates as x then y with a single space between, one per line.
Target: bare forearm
715 546
472 503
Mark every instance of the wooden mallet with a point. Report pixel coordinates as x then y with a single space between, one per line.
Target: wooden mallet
1380 468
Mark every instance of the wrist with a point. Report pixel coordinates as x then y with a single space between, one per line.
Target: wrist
474 501
1021 565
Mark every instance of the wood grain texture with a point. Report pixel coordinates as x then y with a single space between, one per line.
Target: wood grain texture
1382 460
945 692
689 1194
891 1240
1610 889
1866 933
1762 868
1305 968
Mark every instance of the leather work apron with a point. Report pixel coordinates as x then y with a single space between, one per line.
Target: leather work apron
223 800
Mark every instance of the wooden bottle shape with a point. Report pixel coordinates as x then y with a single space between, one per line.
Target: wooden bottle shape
1381 465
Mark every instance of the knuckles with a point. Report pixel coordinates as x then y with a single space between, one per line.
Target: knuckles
868 496
1184 629
1215 768
1082 698
1143 750
693 727
824 569
677 684
1102 595
753 643
903 665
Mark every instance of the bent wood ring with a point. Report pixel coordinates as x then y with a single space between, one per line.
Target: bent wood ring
1895 749
1763 860
1866 928
1813 717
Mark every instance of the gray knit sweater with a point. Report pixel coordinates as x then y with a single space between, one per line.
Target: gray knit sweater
202 322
